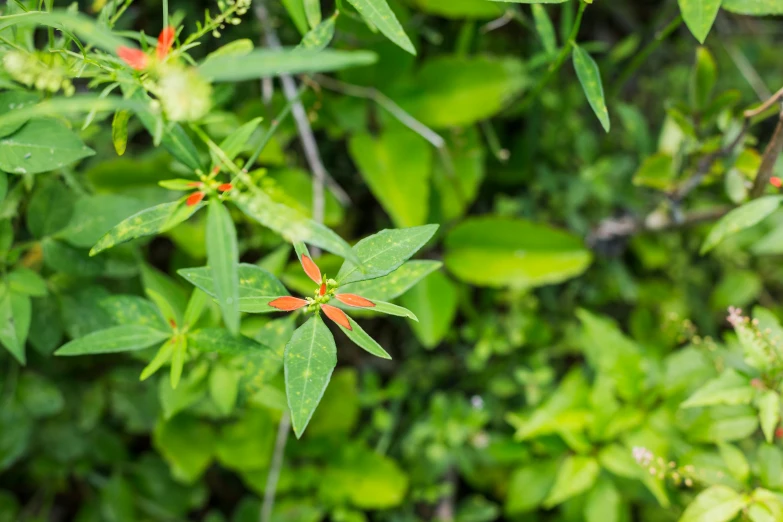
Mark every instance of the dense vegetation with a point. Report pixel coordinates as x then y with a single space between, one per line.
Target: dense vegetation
530 254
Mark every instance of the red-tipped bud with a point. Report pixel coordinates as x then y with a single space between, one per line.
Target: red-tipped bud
136 58
195 198
165 40
225 187
779 433
322 290
775 181
337 315
311 269
195 184
288 304
355 300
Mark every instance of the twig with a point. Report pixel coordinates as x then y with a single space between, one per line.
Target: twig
274 468
752 113
771 155
306 136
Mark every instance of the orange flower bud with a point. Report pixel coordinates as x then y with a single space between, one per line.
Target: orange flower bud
225 187
311 269
195 198
136 58
337 315
355 300
165 40
288 304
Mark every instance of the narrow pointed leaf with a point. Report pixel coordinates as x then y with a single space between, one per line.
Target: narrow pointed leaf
384 252
699 15
310 358
257 287
379 14
290 224
394 284
125 338
769 413
196 304
162 357
544 28
119 131
222 258
319 37
15 319
170 315
363 340
219 340
313 12
84 27
235 143
739 219
715 504
392 309
178 353
590 77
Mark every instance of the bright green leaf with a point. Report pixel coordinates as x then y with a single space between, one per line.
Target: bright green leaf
112 340
363 340
379 14
729 388
178 353
576 475
119 131
753 7
544 28
221 341
769 413
223 259
714 504
699 16
739 219
590 78
434 300
256 286
224 388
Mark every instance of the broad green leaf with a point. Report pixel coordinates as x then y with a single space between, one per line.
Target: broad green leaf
384 252
256 286
739 219
220 341
119 131
41 146
94 216
769 413
187 444
729 388
83 26
753 7
15 318
69 260
69 105
224 388
290 224
14 101
770 465
544 28
262 63
239 47
170 315
310 358
434 300
379 14
529 485
178 353
590 78
699 15
320 36
458 182
459 9
715 504
112 340
496 251
363 340
39 396
576 475
223 260
312 12
339 408
396 167
394 284
656 171
153 220
444 91
735 461
161 357
27 282
603 502
247 444
50 208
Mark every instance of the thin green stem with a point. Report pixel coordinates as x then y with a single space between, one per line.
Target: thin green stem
273 128
642 56
165 13
559 61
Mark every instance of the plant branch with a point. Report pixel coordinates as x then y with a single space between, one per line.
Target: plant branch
771 155
276 465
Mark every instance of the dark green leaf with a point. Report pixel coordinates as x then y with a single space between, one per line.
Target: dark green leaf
41 146
11 101
434 300
379 14
394 284
319 37
256 286
220 341
363 340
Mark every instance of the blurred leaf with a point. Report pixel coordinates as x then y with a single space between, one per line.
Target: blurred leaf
236 141
221 341
257 286
339 408
753 7
735 461
119 131
656 171
769 413
223 259
740 218
85 27
320 36
310 358
714 504
396 167
529 485
40 146
729 388
458 183
770 460
187 444
39 396
224 388
24 281
15 318
11 101
576 475
50 208
378 14
112 340
544 28
434 301
703 78
312 12
247 443
179 346
603 502
118 500
495 251
590 78
94 216
699 16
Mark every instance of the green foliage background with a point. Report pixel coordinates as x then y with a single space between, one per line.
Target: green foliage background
602 200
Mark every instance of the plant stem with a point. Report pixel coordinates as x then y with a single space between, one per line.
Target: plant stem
272 129
559 61
771 155
274 469
165 13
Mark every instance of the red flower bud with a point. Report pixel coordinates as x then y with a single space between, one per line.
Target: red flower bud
165 40
779 433
288 304
195 198
355 300
337 315
195 184
136 58
775 181
225 187
322 290
311 269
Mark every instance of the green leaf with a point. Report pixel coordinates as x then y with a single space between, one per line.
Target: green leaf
444 91
699 15
394 284
319 37
41 146
14 101
196 305
290 224
161 357
69 105
729 388
39 396
457 184
533 1
83 26
153 220
396 167
218 340
68 260
50 208
15 318
656 171
753 7
312 10
236 141
544 28
379 14
224 388
131 309
384 252
363 340
187 444
383 307
119 131
166 288
739 219
769 413
112 340
27 282
222 258
576 475
770 462
248 443
459 9
434 300
529 485
603 502
178 353
590 78
703 78
496 251
262 63
256 286
191 390
714 504
94 216
310 358
735 461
